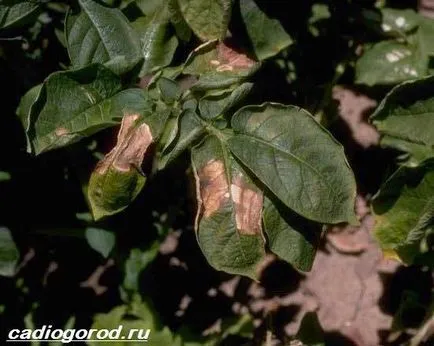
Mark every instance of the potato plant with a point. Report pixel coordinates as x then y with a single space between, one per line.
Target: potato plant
149 84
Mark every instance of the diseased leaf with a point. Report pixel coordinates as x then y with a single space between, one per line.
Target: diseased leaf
216 103
404 211
99 34
100 240
117 179
399 22
16 13
228 221
289 236
266 34
389 62
9 254
404 118
189 129
158 43
406 57
297 159
207 18
75 104
218 66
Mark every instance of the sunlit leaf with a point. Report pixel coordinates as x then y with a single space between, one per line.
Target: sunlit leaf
99 34
297 159
207 18
404 117
75 104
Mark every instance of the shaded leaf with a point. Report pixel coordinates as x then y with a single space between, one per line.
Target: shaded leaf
4 176
266 34
207 18
117 179
404 211
99 34
24 109
289 236
169 90
297 159
17 12
310 332
228 221
139 316
75 104
100 240
188 130
137 261
218 103
404 116
9 254
182 29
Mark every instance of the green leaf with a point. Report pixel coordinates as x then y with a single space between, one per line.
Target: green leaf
169 90
9 254
4 176
158 43
14 13
404 211
75 104
289 236
189 129
399 22
297 160
182 29
207 18
266 34
228 222
137 261
139 316
407 57
99 34
310 332
100 240
118 179
218 66
389 62
404 116
218 103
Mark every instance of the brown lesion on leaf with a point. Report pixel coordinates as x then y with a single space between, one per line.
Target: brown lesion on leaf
229 59
61 131
248 207
132 143
213 187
